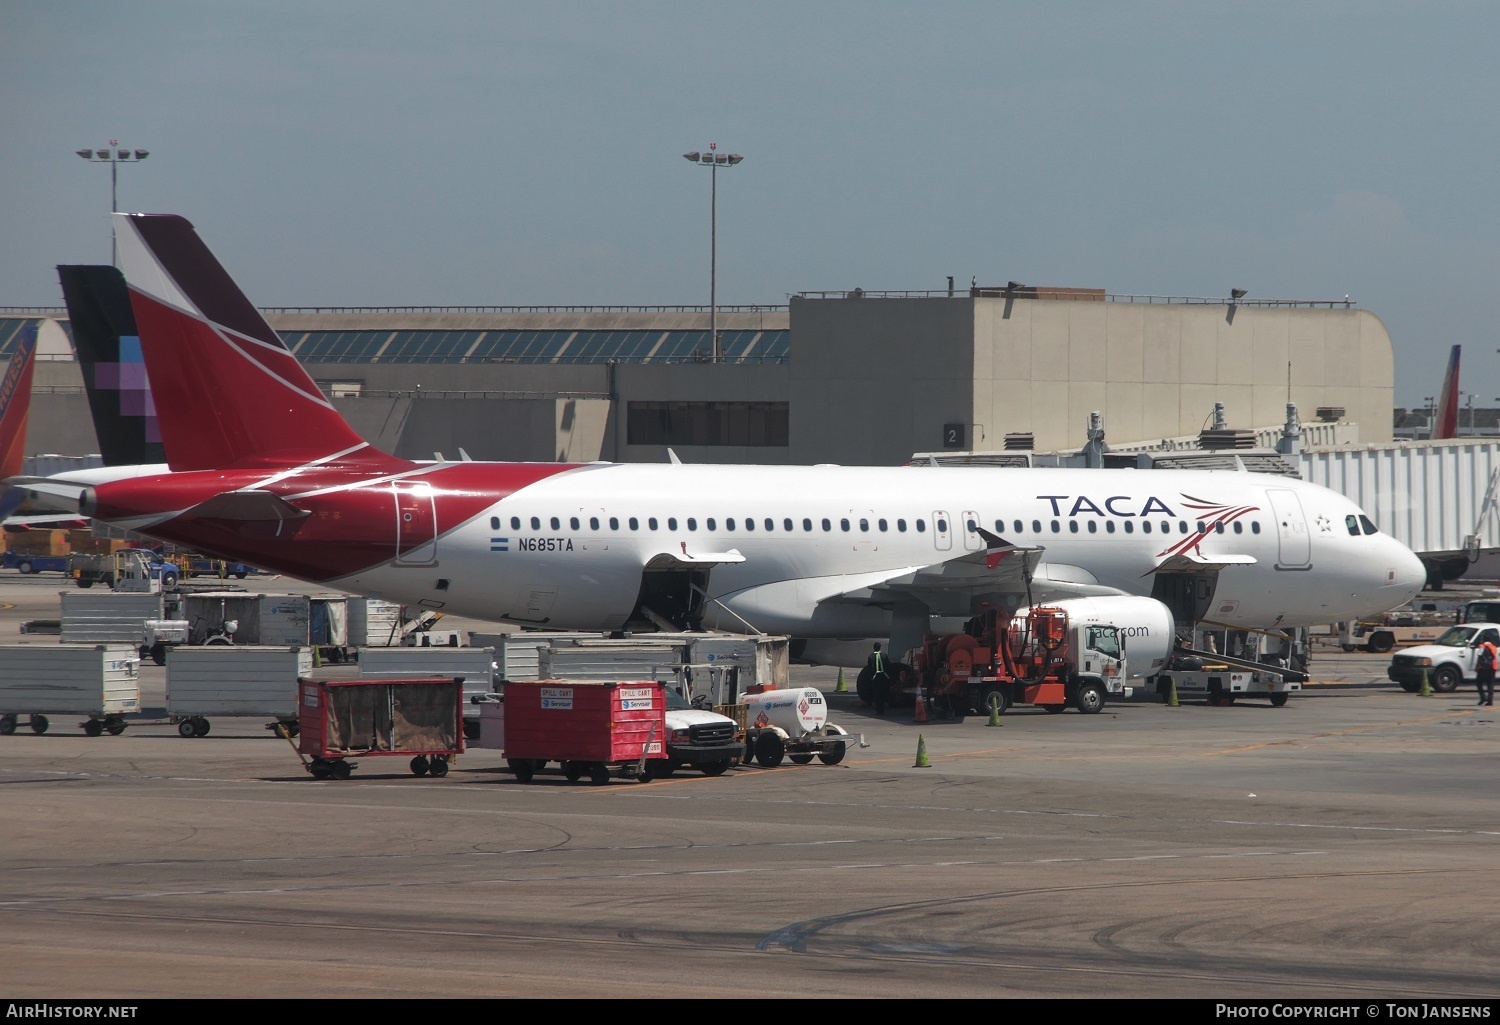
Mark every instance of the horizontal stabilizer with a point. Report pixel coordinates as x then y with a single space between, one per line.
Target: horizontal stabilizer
247 505
46 486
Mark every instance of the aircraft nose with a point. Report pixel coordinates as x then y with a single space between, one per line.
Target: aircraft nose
1405 574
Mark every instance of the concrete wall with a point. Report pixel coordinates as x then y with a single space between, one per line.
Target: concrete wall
874 380
1156 370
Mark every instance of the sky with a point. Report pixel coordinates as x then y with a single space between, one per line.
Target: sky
487 152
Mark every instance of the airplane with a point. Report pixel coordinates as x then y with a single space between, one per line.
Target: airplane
263 470
15 410
120 401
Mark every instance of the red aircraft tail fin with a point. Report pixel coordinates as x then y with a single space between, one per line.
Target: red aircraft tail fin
227 390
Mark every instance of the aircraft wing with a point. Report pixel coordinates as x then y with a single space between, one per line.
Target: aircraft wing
1001 569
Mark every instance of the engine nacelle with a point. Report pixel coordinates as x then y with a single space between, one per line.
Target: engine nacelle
1146 628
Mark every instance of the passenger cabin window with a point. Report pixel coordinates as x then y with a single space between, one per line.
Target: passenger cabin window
573 522
1093 527
901 525
635 524
692 523
495 522
614 523
671 522
536 523
940 525
806 524
882 526
750 523
971 526
921 527
1255 527
1109 526
1239 528
1351 524
827 525
844 525
593 523
515 523
556 523
864 526
1370 528
1019 526
1036 526
1218 528
1130 526
712 524
1145 526
1073 526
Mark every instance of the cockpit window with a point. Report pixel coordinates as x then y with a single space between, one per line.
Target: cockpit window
1352 522
1370 528
1456 637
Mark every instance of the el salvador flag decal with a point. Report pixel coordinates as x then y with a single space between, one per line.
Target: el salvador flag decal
499 544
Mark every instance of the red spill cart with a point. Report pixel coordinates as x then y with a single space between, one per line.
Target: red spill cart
420 717
595 728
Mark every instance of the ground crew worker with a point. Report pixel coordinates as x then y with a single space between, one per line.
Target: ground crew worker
1485 657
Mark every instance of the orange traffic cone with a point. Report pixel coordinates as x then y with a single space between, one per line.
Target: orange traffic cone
921 707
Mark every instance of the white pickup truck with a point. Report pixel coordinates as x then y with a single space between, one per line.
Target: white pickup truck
1446 662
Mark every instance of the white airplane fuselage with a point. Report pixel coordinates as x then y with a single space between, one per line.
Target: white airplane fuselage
568 550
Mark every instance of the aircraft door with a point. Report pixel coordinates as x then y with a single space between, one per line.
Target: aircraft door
942 531
1187 595
972 541
416 523
1295 544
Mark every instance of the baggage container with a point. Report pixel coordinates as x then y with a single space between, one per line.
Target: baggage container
234 681
107 617
374 622
591 727
340 720
276 620
101 682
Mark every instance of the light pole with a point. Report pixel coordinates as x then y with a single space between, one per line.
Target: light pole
114 158
713 160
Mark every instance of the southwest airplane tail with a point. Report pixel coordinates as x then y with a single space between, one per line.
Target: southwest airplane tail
1445 418
228 392
114 369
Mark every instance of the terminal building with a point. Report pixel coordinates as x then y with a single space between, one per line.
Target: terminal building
850 377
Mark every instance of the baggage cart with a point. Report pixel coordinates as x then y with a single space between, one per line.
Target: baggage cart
235 681
101 682
593 728
476 666
342 720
